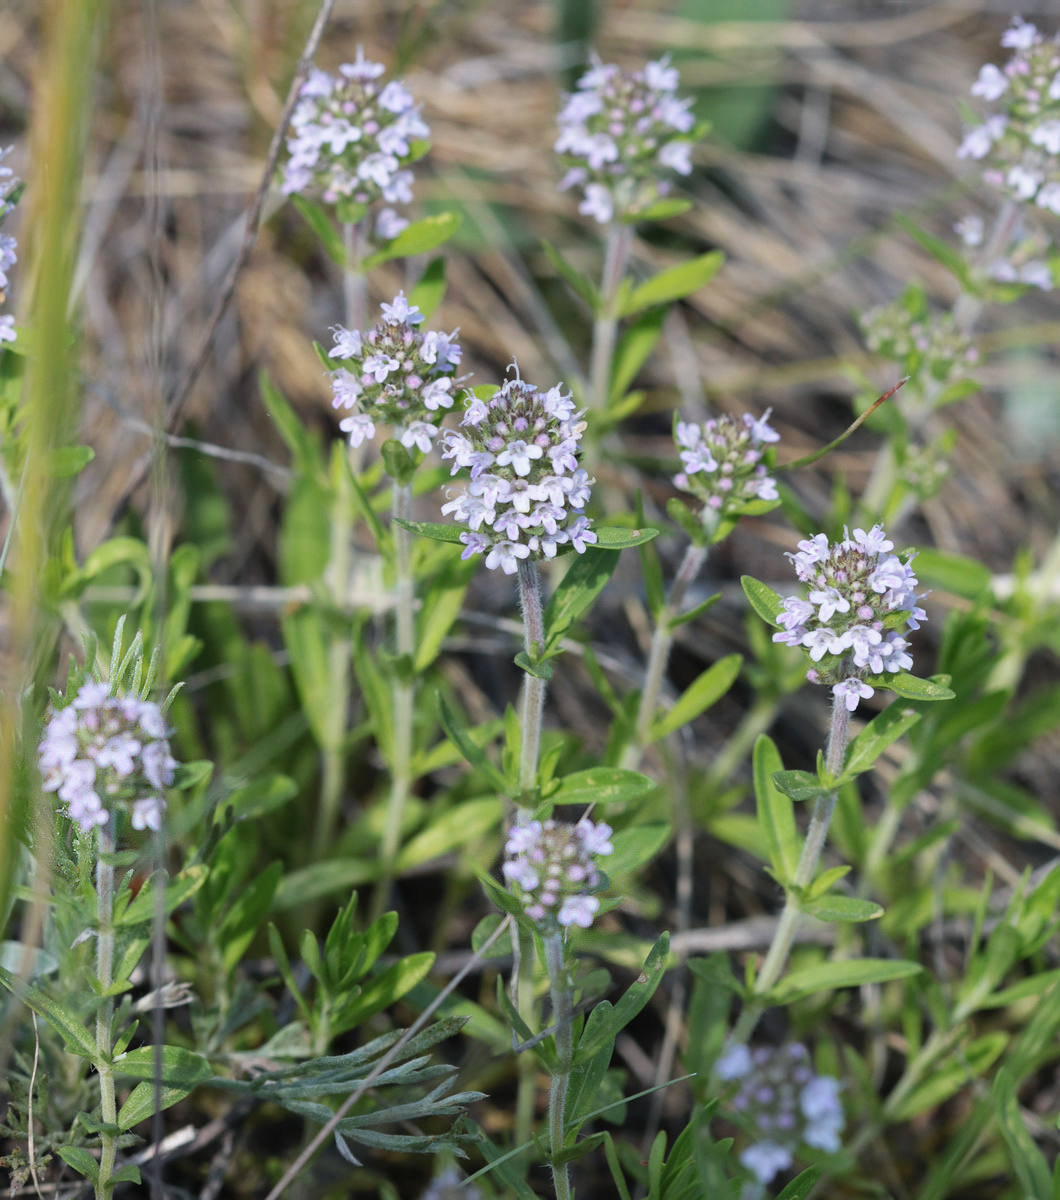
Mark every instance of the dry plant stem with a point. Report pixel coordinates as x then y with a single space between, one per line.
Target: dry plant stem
403 695
562 1010
105 1012
323 1135
353 280
533 687
659 655
605 326
784 936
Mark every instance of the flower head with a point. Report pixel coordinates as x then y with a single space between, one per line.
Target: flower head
621 134
860 597
722 461
103 753
526 494
783 1105
551 867
353 136
394 374
1018 141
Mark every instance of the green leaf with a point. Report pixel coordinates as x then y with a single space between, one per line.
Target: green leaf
81 1161
776 814
583 582
674 283
910 686
764 600
300 888
602 786
67 461
635 846
462 825
143 908
1028 1163
825 977
695 613
141 1102
387 988
182 1067
877 735
539 670
801 1186
419 238
428 293
130 1173
255 799
704 691
398 462
800 785
242 920
441 607
579 283
610 537
681 515
457 734
660 210
935 246
321 224
947 1079
634 348
438 531
305 635
602 1032
954 573
74 1034
843 908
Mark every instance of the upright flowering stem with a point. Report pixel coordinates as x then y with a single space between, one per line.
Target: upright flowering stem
105 1012
659 655
533 702
816 835
353 281
605 326
562 1015
404 693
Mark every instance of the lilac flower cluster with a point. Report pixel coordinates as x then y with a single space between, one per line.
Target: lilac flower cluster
783 1104
8 245
861 597
907 332
352 139
1019 141
551 868
103 752
394 374
527 493
722 461
619 133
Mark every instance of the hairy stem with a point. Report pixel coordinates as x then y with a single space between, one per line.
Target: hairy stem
105 1012
562 1012
533 688
605 325
784 935
403 695
659 655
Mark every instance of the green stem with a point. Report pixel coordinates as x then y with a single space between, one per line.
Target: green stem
105 1013
403 694
523 998
784 935
605 326
533 688
659 655
562 1011
353 280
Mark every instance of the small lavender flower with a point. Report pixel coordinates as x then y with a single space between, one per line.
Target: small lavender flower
723 461
620 134
551 867
861 597
394 374
8 245
907 332
1018 141
353 137
103 753
527 493
782 1104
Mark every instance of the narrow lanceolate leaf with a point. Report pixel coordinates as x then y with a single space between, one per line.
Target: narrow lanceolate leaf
704 691
179 1066
634 348
824 977
141 1102
320 223
74 1034
801 1186
587 577
611 537
843 908
674 283
601 786
81 1161
579 283
437 530
776 813
419 238
764 600
540 670
910 686
457 734
877 735
800 785
600 1034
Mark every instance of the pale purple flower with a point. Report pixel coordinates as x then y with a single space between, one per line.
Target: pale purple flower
765 1159
551 868
1049 198
1020 35
722 461
851 690
7 329
991 84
